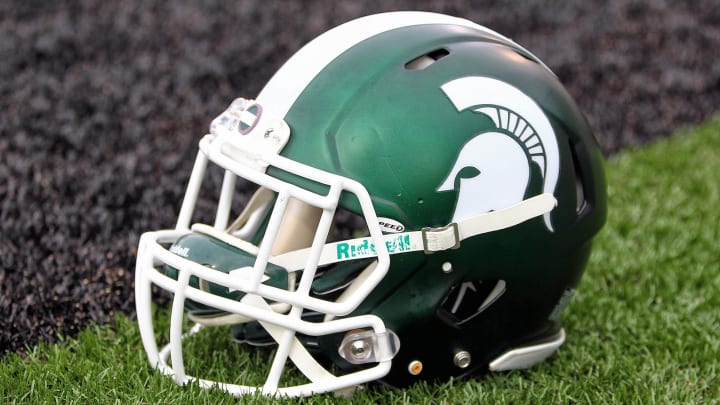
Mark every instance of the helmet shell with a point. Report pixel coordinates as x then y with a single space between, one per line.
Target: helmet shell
370 116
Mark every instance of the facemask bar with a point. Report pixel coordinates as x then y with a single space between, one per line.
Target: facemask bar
255 307
282 327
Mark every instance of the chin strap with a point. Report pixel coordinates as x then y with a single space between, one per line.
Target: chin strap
428 240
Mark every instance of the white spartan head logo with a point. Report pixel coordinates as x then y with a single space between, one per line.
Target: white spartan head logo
500 164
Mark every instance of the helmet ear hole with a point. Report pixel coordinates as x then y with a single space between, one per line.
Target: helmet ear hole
468 299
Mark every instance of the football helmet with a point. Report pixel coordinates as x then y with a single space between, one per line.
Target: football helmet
427 196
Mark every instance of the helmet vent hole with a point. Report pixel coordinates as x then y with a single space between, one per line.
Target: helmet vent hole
423 61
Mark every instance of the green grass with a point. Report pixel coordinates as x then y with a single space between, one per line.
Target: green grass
644 328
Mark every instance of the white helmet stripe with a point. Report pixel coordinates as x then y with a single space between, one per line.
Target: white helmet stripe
286 85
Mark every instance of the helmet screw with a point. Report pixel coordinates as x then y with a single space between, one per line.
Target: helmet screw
447 267
360 349
462 359
415 367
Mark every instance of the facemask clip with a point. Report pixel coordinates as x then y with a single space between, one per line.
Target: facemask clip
366 346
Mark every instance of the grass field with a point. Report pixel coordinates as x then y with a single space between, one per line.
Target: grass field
644 327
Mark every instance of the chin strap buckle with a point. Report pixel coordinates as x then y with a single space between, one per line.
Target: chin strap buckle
443 238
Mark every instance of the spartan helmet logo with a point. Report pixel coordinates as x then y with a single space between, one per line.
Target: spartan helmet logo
494 166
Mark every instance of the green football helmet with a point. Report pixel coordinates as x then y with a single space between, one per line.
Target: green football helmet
427 196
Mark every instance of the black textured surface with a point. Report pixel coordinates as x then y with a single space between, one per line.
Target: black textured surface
102 105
